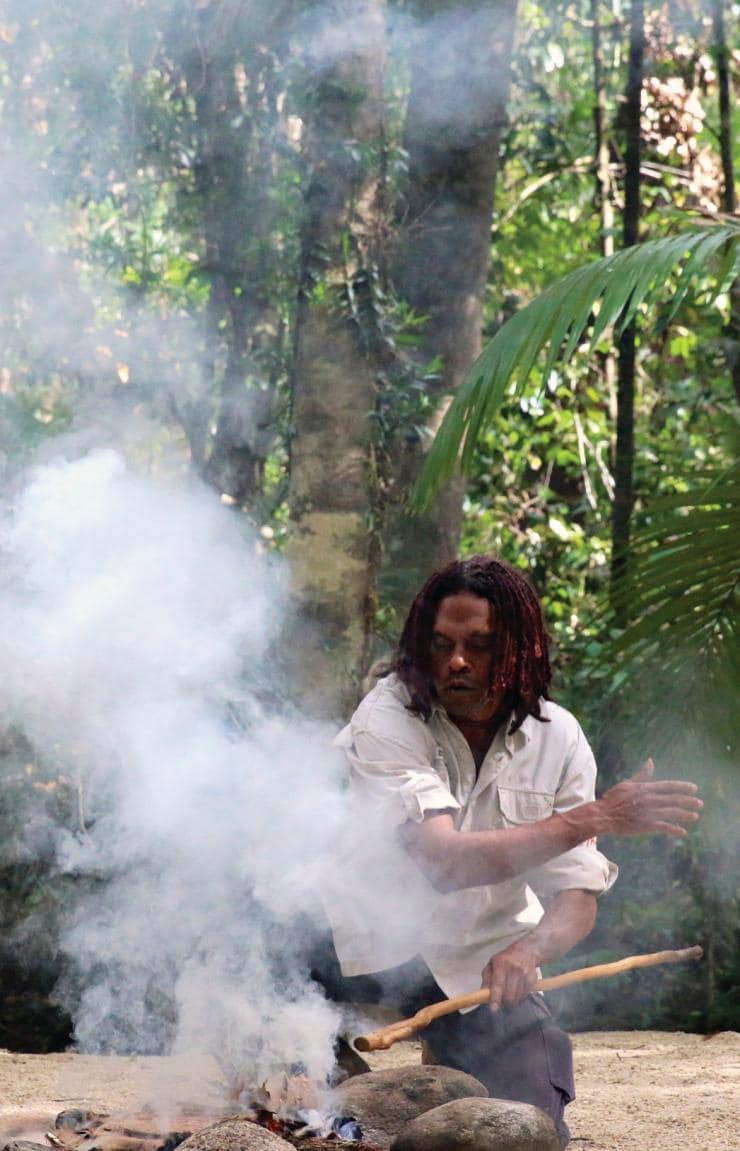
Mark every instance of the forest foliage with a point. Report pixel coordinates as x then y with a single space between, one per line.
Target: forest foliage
163 168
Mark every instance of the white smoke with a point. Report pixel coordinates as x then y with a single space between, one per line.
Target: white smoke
137 617
432 41
135 631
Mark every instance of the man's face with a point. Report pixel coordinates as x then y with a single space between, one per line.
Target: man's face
462 656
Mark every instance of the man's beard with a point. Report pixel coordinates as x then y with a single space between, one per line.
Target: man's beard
466 702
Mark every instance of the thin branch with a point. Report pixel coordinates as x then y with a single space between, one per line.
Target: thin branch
582 164
583 459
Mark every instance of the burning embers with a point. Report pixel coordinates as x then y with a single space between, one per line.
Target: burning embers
288 1106
309 1125
291 1106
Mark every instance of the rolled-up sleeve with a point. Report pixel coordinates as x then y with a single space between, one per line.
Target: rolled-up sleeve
583 867
395 771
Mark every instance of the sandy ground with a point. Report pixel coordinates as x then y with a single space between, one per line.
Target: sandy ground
637 1090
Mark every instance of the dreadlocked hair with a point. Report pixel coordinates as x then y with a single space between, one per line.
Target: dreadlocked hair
521 661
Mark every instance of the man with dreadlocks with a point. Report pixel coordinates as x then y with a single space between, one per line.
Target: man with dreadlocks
461 764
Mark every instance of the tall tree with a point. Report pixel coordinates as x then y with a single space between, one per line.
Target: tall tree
729 200
625 445
232 68
332 548
460 77
722 57
604 182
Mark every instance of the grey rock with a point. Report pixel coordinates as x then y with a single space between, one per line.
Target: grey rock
480 1125
383 1102
75 1118
24 1145
235 1135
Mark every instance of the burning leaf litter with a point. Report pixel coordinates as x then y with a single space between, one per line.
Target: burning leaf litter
286 1105
291 1106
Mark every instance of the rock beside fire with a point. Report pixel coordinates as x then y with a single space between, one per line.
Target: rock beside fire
24 1145
235 1135
383 1102
479 1125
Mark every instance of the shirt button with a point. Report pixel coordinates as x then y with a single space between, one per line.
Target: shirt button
498 757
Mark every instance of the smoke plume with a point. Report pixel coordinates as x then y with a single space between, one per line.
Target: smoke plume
138 619
136 624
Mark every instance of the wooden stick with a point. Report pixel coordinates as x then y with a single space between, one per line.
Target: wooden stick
405 1028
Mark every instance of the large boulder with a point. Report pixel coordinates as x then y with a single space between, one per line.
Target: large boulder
480 1125
235 1135
383 1102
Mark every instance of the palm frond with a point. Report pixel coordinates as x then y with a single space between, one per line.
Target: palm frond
682 585
606 292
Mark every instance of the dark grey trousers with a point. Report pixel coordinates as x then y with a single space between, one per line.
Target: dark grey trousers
517 1053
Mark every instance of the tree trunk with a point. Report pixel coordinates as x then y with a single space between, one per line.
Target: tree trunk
332 544
460 78
604 190
231 71
725 106
729 202
625 450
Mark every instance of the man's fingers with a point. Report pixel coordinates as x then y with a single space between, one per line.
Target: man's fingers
671 812
492 980
503 985
676 787
677 813
646 772
668 828
517 987
671 819
496 995
643 805
671 787
507 985
498 986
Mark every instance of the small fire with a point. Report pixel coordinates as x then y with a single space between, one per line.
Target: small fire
77 1130
292 1106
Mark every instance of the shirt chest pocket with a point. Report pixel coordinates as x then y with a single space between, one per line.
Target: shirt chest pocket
518 805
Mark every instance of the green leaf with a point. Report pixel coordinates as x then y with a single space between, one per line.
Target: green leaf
556 320
682 585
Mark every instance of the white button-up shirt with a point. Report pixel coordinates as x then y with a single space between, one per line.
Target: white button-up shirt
383 911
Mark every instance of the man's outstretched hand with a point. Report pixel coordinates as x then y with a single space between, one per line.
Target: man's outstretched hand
642 805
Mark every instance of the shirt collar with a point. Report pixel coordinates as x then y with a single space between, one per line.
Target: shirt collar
521 736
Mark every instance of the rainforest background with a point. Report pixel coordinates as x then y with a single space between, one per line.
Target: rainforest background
262 245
